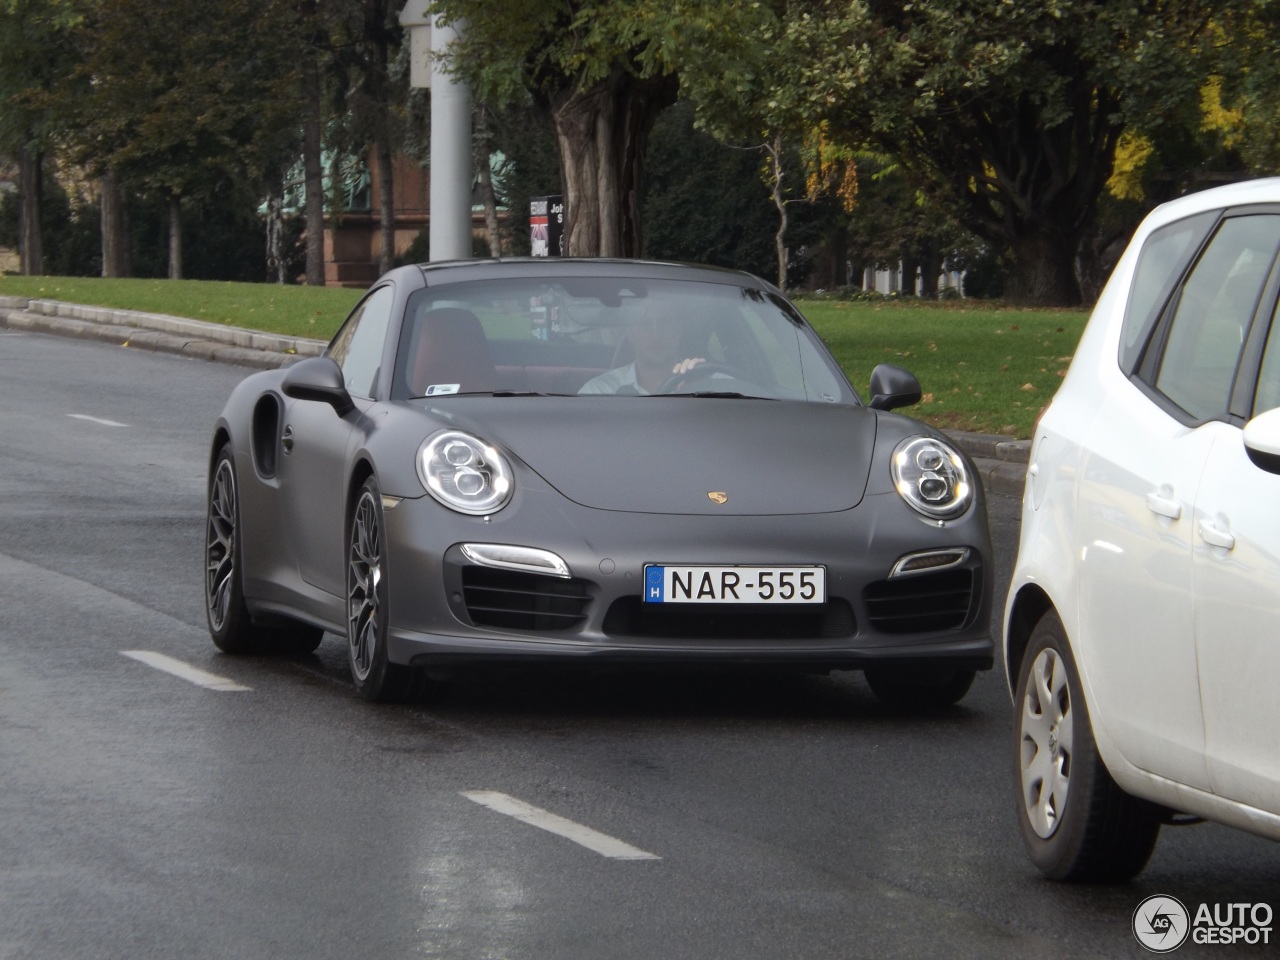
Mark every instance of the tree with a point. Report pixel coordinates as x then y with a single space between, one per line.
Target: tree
366 38
175 92
1015 108
35 58
748 90
704 202
598 66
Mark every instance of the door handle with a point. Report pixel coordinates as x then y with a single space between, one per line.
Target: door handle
1163 506
1215 537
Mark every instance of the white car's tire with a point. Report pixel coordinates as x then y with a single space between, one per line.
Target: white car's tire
1076 823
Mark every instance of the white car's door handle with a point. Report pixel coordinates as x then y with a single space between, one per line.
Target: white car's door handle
1211 535
1164 506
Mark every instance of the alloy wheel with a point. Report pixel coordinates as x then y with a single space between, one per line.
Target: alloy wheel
364 578
220 545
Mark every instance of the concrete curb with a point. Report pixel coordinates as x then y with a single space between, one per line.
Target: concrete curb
1001 461
157 331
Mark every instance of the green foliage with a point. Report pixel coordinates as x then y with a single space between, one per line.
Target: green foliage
704 202
169 92
35 55
513 47
1012 109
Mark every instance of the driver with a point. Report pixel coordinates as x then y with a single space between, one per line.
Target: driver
655 341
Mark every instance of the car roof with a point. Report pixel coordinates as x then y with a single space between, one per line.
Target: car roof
1244 193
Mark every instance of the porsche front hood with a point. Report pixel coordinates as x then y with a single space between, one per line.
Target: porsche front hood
677 455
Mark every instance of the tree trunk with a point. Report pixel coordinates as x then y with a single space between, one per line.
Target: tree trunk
31 204
930 269
275 235
115 233
313 173
175 237
1044 269
910 270
774 150
386 204
483 152
491 228
602 134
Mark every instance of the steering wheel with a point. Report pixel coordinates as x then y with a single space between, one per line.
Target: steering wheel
701 372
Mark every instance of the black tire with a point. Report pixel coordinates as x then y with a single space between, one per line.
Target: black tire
920 689
1076 823
376 678
230 624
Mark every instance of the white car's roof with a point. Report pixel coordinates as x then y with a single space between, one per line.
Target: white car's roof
1265 190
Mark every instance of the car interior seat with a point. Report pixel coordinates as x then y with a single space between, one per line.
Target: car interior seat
452 350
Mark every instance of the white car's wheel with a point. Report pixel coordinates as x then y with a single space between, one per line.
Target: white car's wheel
1075 822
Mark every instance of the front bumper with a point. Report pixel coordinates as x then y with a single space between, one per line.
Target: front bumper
446 610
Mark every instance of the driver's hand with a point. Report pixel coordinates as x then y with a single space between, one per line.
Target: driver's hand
687 364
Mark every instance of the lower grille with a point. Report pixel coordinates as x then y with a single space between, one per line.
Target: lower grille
523 601
924 602
632 617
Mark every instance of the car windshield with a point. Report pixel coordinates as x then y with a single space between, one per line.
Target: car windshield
596 337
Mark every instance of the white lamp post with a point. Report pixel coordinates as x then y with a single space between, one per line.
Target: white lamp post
451 155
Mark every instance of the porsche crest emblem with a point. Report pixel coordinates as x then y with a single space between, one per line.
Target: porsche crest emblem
717 496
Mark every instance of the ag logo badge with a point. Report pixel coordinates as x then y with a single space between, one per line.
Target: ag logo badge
1161 924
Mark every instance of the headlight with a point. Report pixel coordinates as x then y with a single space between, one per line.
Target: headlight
931 476
463 473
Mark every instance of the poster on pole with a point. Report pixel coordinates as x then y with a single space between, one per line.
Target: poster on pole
546 226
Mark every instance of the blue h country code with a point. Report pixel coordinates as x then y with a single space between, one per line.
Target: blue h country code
734 584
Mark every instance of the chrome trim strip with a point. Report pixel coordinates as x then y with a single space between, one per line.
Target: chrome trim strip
958 555
505 556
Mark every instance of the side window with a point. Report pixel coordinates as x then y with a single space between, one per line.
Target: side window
1214 311
1164 259
357 347
1268 393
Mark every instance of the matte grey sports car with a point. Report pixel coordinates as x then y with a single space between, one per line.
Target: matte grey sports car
593 461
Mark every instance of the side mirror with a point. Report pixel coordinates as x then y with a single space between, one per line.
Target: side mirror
893 387
318 378
1262 441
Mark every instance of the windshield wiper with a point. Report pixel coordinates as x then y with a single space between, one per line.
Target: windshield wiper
716 395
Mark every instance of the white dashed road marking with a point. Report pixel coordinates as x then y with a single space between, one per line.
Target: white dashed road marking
98 420
601 843
201 678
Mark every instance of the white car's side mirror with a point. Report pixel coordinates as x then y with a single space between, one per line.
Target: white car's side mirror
1262 440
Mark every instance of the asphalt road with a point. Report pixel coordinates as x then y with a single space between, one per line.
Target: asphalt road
273 814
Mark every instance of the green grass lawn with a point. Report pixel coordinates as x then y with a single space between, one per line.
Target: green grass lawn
289 310
982 367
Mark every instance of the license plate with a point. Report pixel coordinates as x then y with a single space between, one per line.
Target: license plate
734 584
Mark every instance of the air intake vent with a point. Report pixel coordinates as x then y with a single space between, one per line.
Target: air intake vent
523 601
632 617
922 603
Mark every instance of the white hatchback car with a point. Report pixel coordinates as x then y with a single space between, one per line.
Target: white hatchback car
1141 640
